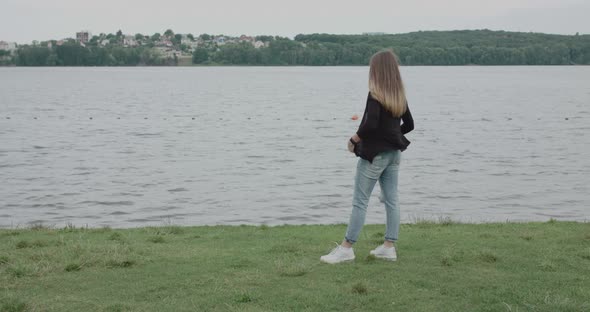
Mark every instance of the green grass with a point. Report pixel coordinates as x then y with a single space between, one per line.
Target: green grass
442 266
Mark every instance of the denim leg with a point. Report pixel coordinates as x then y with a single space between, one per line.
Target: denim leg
367 175
388 182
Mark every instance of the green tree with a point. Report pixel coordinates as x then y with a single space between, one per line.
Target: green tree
94 40
32 56
200 56
52 60
177 39
72 55
264 38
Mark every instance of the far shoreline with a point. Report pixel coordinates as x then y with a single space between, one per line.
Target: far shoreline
299 66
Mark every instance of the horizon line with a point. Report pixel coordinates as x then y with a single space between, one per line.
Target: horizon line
312 33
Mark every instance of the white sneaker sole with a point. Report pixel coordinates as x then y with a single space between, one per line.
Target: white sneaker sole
383 257
343 261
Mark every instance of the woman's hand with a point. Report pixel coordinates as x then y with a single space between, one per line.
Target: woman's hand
350 146
352 142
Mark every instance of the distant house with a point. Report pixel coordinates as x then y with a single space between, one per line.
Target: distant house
220 40
259 44
191 44
83 36
167 52
8 46
104 42
186 40
194 44
164 42
129 41
60 42
244 38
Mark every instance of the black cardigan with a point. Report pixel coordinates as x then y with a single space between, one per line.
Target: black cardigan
380 131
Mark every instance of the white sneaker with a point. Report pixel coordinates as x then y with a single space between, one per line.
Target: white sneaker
338 254
386 253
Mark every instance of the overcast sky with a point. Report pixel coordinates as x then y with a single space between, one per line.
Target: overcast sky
26 20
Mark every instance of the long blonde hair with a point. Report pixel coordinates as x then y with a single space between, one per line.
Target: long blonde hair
385 82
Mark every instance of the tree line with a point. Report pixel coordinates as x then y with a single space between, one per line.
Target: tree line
478 47
73 54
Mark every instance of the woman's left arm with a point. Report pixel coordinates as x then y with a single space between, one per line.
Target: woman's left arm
370 121
408 124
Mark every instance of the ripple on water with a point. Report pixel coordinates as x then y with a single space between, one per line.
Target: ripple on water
180 189
108 203
329 196
85 168
43 206
70 194
139 220
14 165
129 194
138 134
118 213
81 173
297 218
160 208
159 218
281 161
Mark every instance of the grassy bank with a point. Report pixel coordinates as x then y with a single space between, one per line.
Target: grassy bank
441 267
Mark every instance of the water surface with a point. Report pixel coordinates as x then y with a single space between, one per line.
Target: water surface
128 147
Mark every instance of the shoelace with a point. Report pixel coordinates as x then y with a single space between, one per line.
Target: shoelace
335 249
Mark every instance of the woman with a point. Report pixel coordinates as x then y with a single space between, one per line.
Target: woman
378 142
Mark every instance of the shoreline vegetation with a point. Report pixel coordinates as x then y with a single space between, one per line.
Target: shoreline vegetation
444 265
461 47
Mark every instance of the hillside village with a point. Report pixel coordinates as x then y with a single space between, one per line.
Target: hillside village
166 45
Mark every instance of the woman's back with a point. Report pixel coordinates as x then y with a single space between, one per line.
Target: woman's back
381 130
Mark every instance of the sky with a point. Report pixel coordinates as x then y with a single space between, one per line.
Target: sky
25 20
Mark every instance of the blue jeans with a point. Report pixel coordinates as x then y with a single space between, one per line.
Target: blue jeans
385 168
